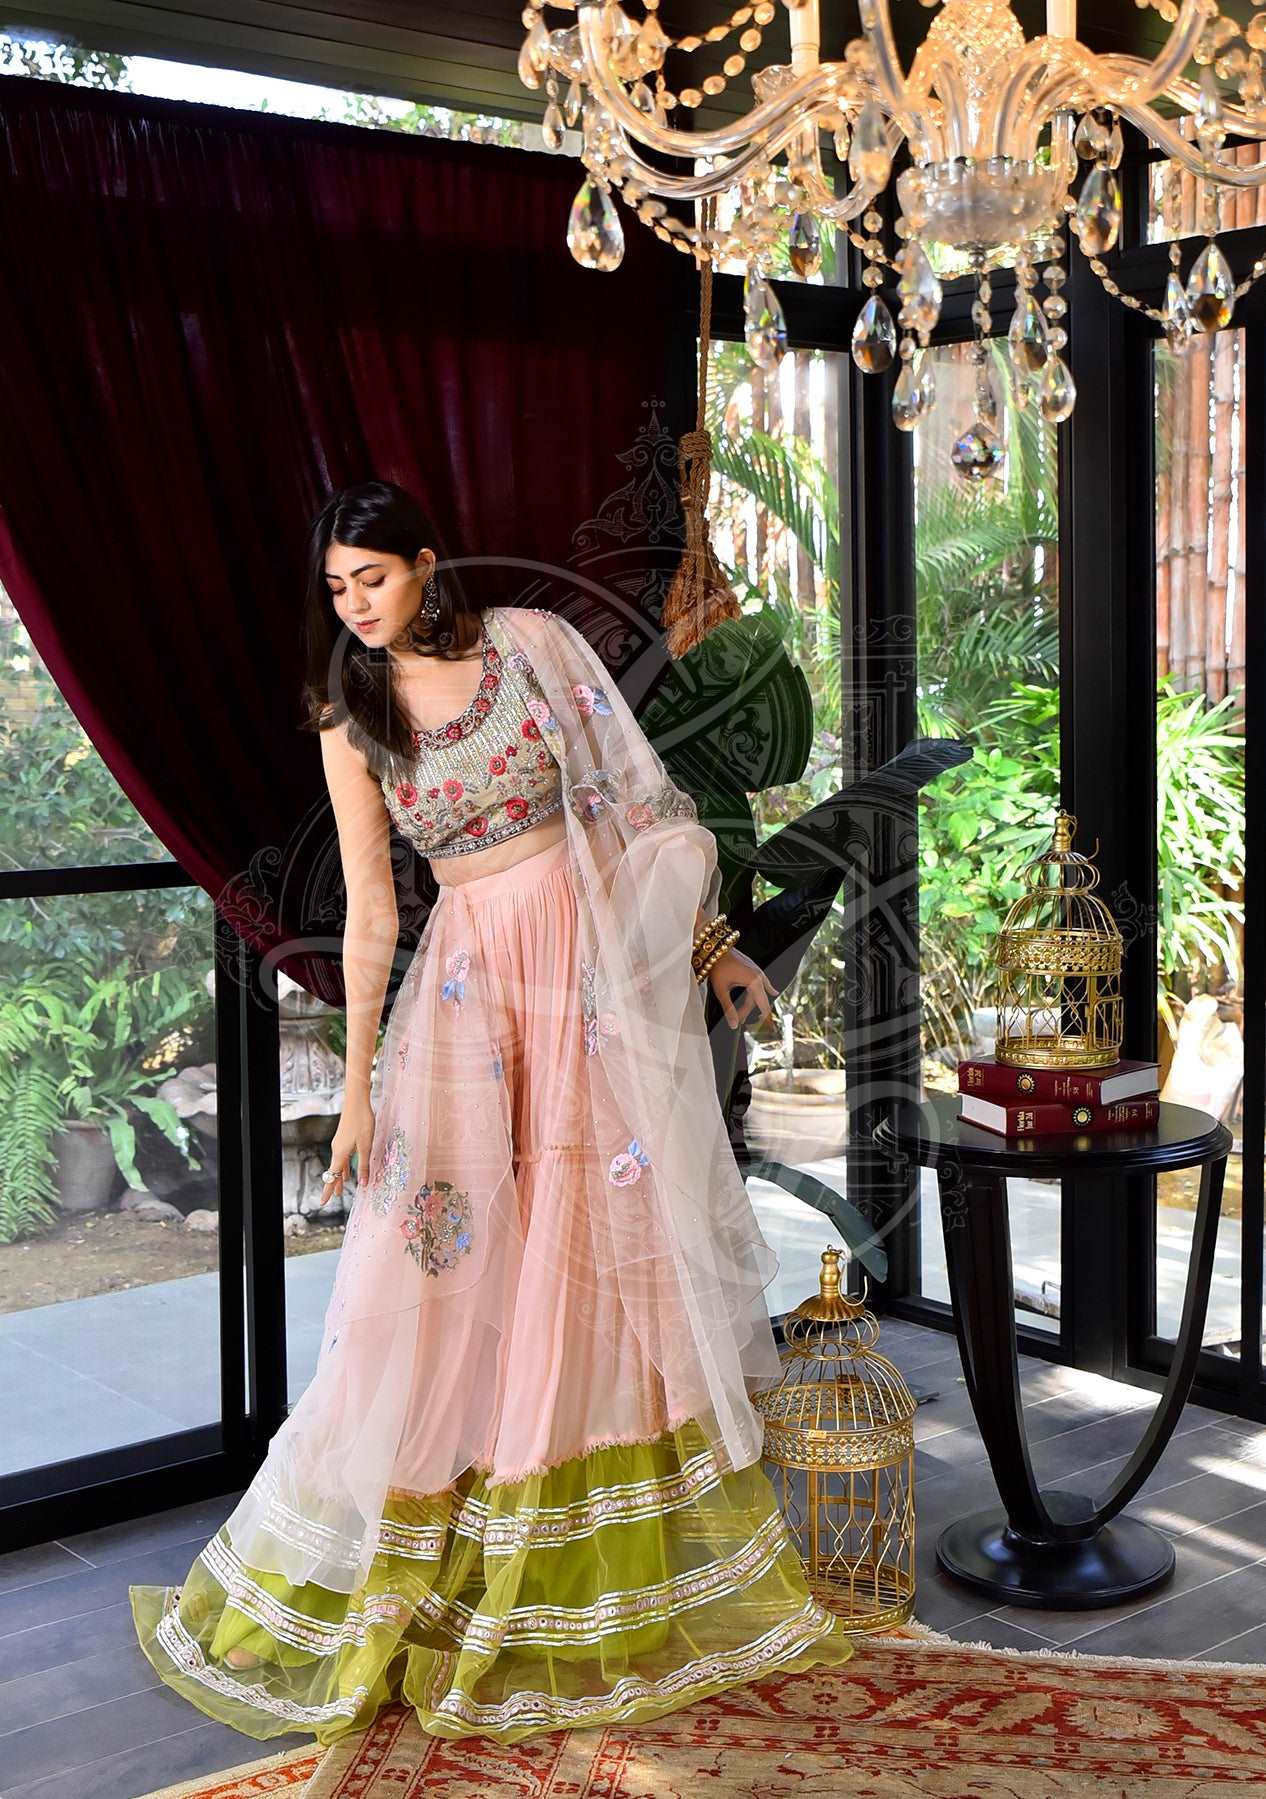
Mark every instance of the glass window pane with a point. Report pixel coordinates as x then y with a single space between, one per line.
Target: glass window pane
1175 207
774 515
313 1042
109 1248
986 587
61 805
1200 537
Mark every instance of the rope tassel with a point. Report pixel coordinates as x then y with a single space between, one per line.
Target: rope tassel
700 594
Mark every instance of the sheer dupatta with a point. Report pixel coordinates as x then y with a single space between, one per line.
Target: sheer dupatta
413 1365
668 1208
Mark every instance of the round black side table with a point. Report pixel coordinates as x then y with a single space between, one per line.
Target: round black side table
1054 1548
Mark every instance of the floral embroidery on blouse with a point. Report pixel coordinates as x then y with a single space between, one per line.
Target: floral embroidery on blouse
393 1173
434 1227
628 1165
473 716
458 964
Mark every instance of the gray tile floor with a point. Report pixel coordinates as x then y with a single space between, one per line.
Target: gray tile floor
82 1715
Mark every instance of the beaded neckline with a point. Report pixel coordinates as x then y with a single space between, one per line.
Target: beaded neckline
437 736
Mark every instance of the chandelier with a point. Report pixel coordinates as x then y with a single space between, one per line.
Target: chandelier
997 126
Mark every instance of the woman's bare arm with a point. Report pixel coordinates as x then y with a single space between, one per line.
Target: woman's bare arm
369 937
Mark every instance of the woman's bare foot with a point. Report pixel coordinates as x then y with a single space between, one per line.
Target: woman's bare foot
241 1658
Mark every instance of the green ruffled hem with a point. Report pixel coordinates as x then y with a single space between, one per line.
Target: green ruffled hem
618 1586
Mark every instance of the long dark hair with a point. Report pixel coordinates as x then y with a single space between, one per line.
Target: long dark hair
346 678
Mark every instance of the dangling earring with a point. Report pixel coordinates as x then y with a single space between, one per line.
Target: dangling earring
428 612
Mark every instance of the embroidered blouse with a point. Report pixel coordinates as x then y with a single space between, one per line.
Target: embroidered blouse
482 777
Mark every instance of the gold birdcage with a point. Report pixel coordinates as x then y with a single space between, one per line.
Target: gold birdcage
839 1450
1058 959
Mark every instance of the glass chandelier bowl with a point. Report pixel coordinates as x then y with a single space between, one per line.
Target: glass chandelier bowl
997 126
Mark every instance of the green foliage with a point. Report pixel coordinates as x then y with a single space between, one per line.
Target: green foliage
71 1048
31 1111
986 579
104 993
975 835
1199 839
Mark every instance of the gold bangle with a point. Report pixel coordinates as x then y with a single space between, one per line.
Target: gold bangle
708 932
717 947
702 968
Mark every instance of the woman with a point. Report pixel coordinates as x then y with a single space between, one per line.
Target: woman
522 1490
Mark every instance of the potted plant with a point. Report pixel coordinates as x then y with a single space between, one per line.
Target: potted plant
73 1078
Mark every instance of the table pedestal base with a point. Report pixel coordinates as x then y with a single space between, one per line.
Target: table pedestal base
1121 1560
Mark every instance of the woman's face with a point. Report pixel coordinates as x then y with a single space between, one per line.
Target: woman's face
375 592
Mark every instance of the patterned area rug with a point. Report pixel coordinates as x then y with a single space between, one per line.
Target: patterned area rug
930 1717
916 1714
288 1771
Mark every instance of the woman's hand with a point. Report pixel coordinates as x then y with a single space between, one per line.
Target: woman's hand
355 1133
737 970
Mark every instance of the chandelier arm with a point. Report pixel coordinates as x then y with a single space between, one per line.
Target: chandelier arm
889 77
1173 59
1145 80
824 202
1070 82
945 138
824 205
827 85
1163 135
711 181
1238 122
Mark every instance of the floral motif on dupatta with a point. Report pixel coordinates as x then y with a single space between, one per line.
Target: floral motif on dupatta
393 1172
435 1226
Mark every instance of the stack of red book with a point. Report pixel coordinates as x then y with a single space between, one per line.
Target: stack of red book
1030 1102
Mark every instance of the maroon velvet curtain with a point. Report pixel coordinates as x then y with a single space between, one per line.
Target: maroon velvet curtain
210 320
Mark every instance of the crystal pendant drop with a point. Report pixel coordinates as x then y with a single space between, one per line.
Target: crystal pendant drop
652 43
977 454
927 380
571 105
918 286
987 408
1210 289
804 245
1177 313
764 327
1091 138
906 406
874 337
1099 211
532 55
1028 340
1057 393
870 159
552 127
595 236
914 394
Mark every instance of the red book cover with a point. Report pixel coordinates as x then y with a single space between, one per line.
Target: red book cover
1122 1079
1017 1118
